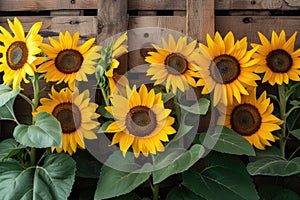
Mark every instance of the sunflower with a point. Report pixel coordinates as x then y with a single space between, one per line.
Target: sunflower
19 52
114 78
252 119
174 64
277 58
141 121
76 115
68 61
226 68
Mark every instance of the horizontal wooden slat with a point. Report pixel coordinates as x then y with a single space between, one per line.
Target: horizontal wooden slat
156 4
257 4
34 5
264 24
87 26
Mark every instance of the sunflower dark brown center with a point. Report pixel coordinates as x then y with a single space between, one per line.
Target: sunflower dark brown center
140 121
279 61
245 119
224 69
69 117
17 54
176 62
68 61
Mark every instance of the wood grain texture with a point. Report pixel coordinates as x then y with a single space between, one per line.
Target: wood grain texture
35 5
112 17
148 30
200 18
156 4
87 26
257 4
264 24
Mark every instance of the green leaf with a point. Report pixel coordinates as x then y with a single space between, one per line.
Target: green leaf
104 113
7 111
113 183
295 103
181 193
174 165
225 140
296 133
6 94
225 176
271 192
274 166
199 108
182 131
46 132
104 126
9 147
54 180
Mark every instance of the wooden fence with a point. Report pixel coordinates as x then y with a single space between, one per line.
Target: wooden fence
104 18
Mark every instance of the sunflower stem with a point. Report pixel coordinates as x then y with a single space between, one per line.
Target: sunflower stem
26 99
36 91
104 94
282 106
32 156
155 191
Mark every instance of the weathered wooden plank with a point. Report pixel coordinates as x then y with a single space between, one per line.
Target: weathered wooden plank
148 30
113 20
34 5
87 26
112 17
257 4
200 18
156 5
249 26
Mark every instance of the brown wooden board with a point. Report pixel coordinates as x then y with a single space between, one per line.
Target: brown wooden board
156 4
87 26
36 5
264 24
257 4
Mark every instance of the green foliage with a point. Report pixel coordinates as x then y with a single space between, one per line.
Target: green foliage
199 108
181 193
53 180
174 161
7 99
276 192
225 140
9 148
270 162
224 176
45 132
114 183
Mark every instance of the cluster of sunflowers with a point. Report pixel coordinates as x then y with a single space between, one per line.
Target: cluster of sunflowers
137 116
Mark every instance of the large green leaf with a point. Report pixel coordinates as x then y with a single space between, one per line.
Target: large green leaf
199 108
276 192
296 133
53 180
224 177
182 161
46 132
274 166
6 94
181 193
9 147
225 140
113 183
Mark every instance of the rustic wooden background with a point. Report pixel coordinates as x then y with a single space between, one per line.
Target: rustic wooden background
104 18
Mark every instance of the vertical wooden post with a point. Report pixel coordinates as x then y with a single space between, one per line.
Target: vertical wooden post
113 19
112 16
200 18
